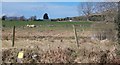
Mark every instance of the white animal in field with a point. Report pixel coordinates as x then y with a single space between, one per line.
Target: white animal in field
70 20
31 26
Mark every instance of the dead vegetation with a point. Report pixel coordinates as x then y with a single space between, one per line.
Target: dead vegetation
89 51
91 54
60 47
37 56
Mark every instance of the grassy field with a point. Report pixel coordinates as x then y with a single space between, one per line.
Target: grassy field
47 25
23 23
57 42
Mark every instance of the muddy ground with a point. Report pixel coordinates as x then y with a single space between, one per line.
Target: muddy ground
57 46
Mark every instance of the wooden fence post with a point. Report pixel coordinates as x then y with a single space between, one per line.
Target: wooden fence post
76 38
13 40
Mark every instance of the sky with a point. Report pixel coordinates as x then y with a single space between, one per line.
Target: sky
27 9
59 0
54 8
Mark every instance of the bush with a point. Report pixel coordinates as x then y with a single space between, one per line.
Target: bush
104 31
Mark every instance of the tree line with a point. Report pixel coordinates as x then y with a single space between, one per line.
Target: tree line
22 18
91 11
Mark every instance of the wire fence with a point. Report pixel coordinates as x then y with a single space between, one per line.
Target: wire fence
96 31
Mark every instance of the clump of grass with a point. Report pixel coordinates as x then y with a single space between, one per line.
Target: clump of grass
104 31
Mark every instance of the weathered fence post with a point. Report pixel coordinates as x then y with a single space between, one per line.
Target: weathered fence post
76 38
13 40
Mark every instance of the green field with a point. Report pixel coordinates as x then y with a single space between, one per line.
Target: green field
23 23
47 25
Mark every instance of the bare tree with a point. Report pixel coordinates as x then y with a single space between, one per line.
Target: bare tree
108 9
86 8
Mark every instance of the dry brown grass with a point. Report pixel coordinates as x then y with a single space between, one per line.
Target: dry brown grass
58 47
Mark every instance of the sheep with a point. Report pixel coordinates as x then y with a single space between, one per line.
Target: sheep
31 26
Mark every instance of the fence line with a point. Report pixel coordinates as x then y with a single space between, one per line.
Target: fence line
99 34
76 38
13 40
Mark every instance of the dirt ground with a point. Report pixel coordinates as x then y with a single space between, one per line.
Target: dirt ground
57 47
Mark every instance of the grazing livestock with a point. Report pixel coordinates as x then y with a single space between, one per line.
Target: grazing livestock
31 26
